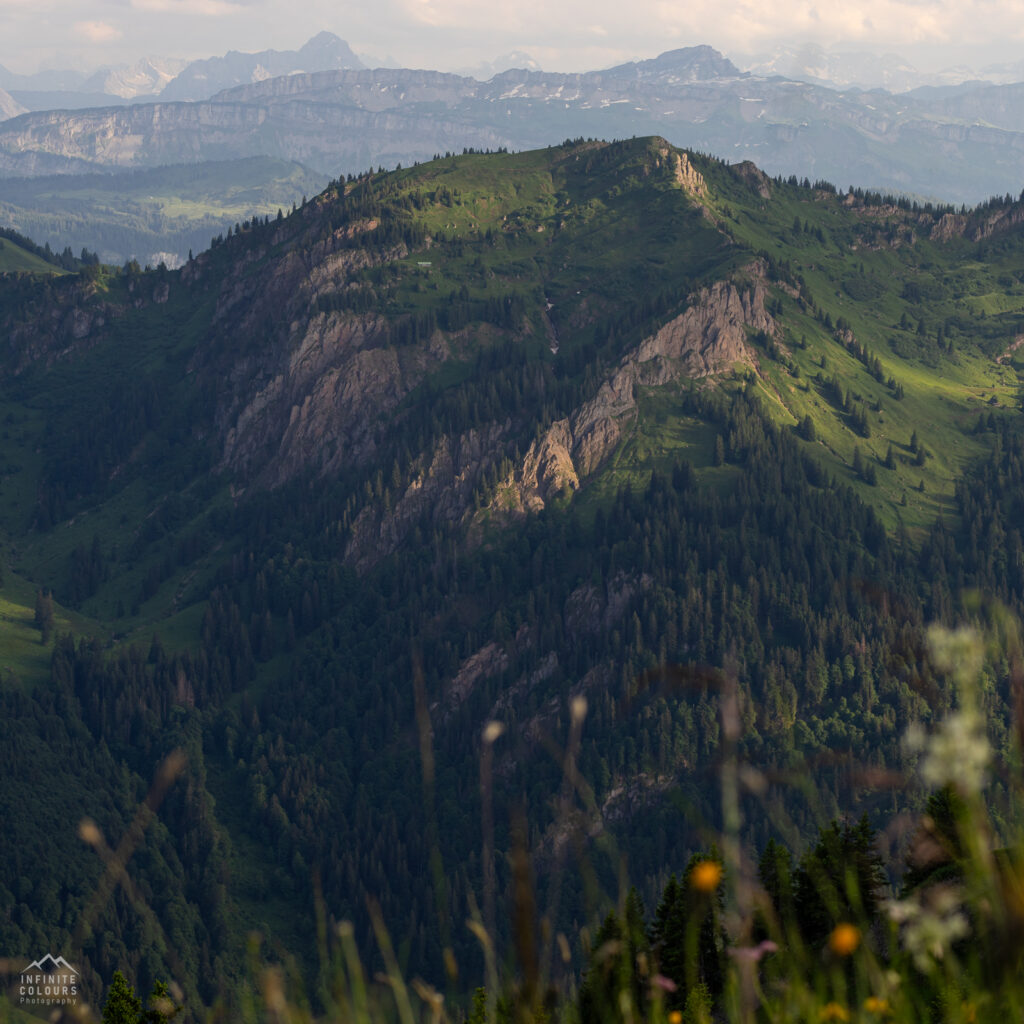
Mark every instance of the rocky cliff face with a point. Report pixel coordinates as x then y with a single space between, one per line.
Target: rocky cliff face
979 224
332 417
313 394
328 137
708 338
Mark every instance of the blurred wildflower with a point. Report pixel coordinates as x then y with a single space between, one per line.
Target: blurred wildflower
752 954
929 930
89 833
675 1017
706 876
957 652
845 938
833 1011
957 753
665 984
876 1005
578 708
492 731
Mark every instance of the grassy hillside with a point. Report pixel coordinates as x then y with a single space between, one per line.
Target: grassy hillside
15 259
152 215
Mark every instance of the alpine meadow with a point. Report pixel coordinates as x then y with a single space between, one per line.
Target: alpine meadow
575 585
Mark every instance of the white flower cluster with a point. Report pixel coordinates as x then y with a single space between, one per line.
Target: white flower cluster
929 928
957 753
958 652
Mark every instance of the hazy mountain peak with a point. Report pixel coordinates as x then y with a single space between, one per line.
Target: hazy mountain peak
328 46
202 78
695 63
145 77
514 60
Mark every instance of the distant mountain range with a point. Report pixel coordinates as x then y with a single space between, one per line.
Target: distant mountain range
961 144
171 79
861 69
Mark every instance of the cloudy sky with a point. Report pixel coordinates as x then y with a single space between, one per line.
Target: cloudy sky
448 34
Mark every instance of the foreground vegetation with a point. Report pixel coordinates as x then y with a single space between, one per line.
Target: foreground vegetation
921 922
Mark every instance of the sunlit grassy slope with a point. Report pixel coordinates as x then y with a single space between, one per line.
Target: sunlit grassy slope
15 259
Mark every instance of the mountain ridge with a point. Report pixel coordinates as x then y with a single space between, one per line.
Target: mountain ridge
466 442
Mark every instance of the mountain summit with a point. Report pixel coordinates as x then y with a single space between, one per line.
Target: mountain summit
701 63
203 78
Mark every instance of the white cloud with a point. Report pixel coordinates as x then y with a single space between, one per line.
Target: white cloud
203 8
740 24
563 35
98 31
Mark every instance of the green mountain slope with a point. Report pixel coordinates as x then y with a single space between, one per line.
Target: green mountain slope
153 215
15 259
464 443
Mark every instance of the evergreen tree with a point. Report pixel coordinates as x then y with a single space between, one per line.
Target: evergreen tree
775 871
840 879
122 1006
618 966
44 616
687 936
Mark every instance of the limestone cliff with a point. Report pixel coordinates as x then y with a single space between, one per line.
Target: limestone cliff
708 338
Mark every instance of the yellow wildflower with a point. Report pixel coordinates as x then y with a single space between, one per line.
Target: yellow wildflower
845 938
706 875
873 1004
832 1012
675 1017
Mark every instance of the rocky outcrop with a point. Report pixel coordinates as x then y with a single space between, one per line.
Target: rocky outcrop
755 178
949 225
685 175
710 337
322 409
707 338
588 610
490 660
441 488
994 222
591 609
